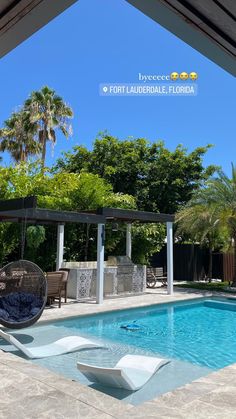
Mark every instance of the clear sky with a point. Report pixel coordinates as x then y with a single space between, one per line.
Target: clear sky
101 41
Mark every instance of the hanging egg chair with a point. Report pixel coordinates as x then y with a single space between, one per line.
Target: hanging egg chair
23 294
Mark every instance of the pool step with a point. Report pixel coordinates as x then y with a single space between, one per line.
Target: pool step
221 305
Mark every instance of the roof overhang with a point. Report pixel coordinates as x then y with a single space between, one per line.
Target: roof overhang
19 19
209 26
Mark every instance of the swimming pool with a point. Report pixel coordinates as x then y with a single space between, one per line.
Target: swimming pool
198 336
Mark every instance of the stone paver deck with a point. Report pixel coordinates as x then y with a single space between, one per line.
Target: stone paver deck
152 296
30 391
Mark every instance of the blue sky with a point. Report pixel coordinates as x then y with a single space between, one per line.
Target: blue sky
101 41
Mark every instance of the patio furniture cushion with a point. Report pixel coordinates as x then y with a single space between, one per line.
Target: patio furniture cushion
18 306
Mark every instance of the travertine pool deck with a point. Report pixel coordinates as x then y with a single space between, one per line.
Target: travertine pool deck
30 391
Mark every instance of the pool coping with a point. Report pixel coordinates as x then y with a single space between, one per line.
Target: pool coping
117 310
199 398
93 308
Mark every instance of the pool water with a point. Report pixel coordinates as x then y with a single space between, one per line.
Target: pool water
197 336
201 333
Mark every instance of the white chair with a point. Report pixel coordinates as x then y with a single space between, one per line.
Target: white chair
130 373
61 346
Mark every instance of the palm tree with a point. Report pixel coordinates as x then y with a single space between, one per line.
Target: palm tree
200 222
221 193
17 137
48 112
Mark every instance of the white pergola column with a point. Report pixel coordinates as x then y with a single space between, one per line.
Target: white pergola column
60 246
128 240
170 261
100 263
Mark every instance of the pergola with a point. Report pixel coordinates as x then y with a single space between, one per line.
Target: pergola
26 210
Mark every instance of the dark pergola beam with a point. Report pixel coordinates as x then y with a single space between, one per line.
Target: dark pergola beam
49 216
132 215
18 203
18 209
67 216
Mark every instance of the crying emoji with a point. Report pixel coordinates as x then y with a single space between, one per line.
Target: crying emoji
174 76
193 76
184 76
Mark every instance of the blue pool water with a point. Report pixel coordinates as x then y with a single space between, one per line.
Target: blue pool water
202 333
197 336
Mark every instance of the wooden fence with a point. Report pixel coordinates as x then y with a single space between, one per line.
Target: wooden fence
191 263
228 266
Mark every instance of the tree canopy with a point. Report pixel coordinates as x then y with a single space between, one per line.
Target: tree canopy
160 179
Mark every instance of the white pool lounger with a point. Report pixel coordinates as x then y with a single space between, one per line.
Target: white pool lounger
130 373
59 347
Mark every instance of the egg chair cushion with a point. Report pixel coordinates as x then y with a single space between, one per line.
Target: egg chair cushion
20 306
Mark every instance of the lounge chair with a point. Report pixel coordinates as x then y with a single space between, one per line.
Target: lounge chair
130 373
61 346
